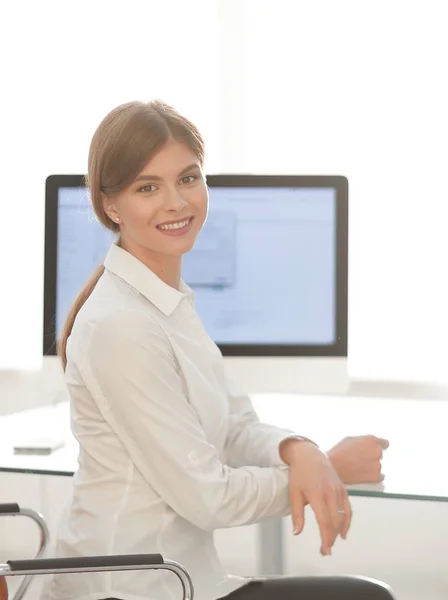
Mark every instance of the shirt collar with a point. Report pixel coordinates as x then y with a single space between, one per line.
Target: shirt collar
139 276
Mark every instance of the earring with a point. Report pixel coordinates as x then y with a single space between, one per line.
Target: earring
117 219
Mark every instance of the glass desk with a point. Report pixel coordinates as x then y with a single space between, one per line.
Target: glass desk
414 465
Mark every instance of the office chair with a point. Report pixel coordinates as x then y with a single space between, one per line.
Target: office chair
47 566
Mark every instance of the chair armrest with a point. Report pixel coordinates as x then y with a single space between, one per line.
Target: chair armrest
11 508
126 562
87 562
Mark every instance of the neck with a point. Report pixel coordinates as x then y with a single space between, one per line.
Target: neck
167 268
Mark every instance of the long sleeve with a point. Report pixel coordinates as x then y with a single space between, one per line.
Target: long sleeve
132 374
249 441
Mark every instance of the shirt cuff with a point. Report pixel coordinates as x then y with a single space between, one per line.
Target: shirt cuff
278 436
293 436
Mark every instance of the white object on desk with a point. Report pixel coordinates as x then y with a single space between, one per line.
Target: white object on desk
41 446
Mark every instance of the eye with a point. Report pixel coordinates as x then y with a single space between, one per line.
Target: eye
188 179
146 189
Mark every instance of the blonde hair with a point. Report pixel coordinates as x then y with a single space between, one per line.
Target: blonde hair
121 147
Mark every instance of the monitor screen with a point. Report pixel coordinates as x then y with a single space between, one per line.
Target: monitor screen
264 269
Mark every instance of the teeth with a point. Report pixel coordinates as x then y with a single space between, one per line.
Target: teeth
175 225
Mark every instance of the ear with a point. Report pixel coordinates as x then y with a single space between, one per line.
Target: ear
110 208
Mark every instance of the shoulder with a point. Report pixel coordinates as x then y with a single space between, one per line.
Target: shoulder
116 319
122 332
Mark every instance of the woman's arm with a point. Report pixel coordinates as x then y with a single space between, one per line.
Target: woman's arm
249 441
131 372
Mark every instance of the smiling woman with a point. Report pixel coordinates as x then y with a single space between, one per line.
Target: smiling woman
149 143
172 203
170 451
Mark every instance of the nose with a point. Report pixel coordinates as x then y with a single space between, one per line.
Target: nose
175 200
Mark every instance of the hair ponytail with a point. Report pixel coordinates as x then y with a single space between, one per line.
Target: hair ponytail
74 310
121 147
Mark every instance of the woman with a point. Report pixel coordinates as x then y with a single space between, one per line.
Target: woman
169 449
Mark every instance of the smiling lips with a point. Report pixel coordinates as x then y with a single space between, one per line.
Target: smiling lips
175 227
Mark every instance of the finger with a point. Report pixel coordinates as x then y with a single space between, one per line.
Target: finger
383 443
348 516
323 517
297 504
335 502
343 503
378 454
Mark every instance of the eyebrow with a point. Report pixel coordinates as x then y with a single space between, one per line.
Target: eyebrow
157 178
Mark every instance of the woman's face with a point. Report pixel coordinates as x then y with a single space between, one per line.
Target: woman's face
165 207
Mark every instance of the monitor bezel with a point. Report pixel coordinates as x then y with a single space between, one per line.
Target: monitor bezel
338 182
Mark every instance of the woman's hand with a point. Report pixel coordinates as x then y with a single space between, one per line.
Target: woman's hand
314 481
358 459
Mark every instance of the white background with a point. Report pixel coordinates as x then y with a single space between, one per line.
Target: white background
343 87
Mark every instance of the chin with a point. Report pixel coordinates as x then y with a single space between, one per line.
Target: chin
176 248
185 249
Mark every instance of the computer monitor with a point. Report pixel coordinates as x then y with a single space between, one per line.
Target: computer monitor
269 272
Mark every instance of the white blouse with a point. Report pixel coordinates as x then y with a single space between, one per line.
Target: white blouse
169 449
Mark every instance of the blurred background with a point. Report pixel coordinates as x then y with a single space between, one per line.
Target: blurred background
345 87
276 86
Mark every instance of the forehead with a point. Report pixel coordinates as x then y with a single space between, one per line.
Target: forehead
170 160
